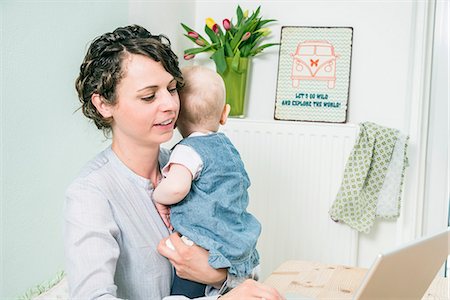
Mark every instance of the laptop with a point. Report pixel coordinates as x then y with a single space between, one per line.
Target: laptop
402 274
406 273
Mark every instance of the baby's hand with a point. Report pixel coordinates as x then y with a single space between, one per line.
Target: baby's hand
164 212
185 240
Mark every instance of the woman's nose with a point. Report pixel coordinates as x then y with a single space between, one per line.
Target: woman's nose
170 101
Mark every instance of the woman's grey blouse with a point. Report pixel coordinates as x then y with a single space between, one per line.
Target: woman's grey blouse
112 230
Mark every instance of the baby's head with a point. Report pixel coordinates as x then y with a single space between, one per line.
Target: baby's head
202 101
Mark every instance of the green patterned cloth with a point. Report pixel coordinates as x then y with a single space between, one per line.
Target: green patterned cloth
364 183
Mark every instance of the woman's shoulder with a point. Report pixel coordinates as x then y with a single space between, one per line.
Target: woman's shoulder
91 171
96 163
100 170
87 198
88 192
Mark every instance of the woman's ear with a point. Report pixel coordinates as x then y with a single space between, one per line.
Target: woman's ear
102 107
225 113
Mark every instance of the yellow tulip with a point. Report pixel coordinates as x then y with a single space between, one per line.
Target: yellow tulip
246 14
210 23
264 31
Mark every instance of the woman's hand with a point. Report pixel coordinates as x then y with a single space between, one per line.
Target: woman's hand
191 262
251 289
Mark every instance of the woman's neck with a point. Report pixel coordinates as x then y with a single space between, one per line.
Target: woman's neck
141 160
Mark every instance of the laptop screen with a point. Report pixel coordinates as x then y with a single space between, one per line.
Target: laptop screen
407 272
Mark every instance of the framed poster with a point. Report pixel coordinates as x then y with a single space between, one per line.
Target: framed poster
314 74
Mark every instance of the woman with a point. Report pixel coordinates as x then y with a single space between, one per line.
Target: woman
128 85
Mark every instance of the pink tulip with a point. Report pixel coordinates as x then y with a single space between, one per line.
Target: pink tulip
215 28
189 56
226 24
246 36
200 42
193 34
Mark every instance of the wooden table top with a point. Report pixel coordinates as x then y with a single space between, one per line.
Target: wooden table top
327 281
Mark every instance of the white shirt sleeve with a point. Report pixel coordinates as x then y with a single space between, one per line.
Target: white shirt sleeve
186 156
91 249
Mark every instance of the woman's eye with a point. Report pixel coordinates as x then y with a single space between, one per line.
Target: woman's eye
148 98
173 90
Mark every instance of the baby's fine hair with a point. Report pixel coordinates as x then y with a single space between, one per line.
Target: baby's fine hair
102 67
202 98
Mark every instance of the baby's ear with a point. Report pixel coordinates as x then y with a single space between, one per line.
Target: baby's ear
102 107
225 113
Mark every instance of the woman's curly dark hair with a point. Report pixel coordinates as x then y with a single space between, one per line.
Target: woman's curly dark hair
102 70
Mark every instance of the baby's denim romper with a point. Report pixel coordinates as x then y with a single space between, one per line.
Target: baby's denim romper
213 214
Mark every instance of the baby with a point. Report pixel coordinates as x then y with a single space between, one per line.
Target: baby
205 181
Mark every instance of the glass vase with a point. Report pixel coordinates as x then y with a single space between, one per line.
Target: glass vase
235 79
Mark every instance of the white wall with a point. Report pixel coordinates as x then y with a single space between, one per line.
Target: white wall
44 142
437 172
388 86
164 17
380 52
380 73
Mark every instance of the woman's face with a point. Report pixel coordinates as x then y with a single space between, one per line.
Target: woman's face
147 103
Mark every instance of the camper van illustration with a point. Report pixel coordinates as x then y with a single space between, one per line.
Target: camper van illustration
314 60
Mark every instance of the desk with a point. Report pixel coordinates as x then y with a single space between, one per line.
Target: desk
327 281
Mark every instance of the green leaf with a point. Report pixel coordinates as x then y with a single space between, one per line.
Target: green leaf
187 28
256 13
252 25
245 50
237 38
233 30
211 34
253 17
246 26
264 22
219 60
262 47
235 61
199 50
221 34
240 15
228 50
254 40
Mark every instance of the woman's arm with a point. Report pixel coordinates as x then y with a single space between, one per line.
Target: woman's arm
251 289
191 262
248 290
90 248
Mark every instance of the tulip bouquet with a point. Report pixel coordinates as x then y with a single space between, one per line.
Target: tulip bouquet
241 39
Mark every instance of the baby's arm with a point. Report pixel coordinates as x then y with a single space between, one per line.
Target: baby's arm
175 186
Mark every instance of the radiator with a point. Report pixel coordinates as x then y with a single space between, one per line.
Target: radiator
295 170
